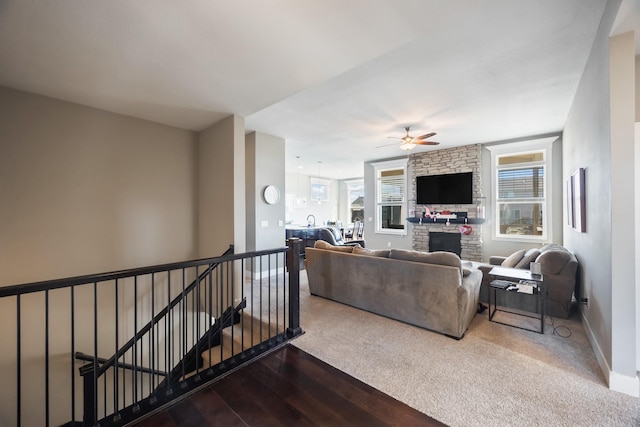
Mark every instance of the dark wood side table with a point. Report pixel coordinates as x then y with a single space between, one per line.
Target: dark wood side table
515 275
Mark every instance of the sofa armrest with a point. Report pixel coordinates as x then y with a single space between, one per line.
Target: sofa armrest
496 260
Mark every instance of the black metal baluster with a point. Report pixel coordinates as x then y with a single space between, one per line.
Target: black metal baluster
116 373
277 294
104 393
168 337
261 296
220 292
183 317
242 296
253 302
197 335
134 379
231 293
152 338
209 291
268 296
95 352
73 351
284 292
46 356
19 373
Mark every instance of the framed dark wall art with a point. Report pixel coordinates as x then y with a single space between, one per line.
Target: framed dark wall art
579 200
570 211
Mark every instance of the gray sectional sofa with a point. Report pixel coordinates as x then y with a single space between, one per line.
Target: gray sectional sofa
429 290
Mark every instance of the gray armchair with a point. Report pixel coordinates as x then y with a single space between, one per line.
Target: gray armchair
559 267
334 236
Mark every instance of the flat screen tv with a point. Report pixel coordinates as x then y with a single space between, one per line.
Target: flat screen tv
447 189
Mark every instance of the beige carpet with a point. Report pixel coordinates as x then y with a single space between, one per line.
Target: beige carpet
495 376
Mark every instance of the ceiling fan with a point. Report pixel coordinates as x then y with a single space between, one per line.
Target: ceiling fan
408 141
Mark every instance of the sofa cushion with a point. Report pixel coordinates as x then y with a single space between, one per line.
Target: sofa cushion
528 258
513 259
384 253
321 244
440 258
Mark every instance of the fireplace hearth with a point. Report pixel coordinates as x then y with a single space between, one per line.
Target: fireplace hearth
448 242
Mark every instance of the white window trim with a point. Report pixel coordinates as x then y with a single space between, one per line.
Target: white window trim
383 166
522 147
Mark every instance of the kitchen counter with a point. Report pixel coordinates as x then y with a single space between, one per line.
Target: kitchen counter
308 235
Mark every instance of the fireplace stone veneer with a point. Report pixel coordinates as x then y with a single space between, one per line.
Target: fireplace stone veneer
458 159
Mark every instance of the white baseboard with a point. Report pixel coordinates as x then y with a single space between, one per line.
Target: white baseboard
624 384
617 382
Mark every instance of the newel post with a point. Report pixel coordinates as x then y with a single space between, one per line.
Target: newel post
293 265
89 416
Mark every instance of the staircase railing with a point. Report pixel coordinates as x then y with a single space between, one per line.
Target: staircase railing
106 349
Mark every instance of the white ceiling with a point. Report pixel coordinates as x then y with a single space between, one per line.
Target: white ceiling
332 77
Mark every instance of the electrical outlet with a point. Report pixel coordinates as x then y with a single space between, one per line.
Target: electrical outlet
584 301
388 244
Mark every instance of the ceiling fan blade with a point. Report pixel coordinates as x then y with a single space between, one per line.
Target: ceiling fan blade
387 145
425 136
426 142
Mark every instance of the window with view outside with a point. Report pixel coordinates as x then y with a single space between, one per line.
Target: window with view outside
391 185
355 190
521 198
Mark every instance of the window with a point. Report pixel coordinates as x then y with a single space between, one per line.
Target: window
355 196
391 184
522 190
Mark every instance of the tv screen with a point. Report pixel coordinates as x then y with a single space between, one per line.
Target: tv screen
447 189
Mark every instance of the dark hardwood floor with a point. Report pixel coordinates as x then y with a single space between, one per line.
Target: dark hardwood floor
289 388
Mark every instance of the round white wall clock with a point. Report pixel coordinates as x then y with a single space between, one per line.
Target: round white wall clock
271 194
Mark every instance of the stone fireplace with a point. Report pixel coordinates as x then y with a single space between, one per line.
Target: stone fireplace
459 159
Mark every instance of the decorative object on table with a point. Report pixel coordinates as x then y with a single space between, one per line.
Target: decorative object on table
535 268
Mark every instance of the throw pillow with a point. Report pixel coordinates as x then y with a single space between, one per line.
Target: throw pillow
383 253
528 258
466 271
321 244
513 259
440 258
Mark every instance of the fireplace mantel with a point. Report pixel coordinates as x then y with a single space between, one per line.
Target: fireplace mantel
432 221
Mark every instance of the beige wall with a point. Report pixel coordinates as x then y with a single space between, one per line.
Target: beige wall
221 187
85 191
